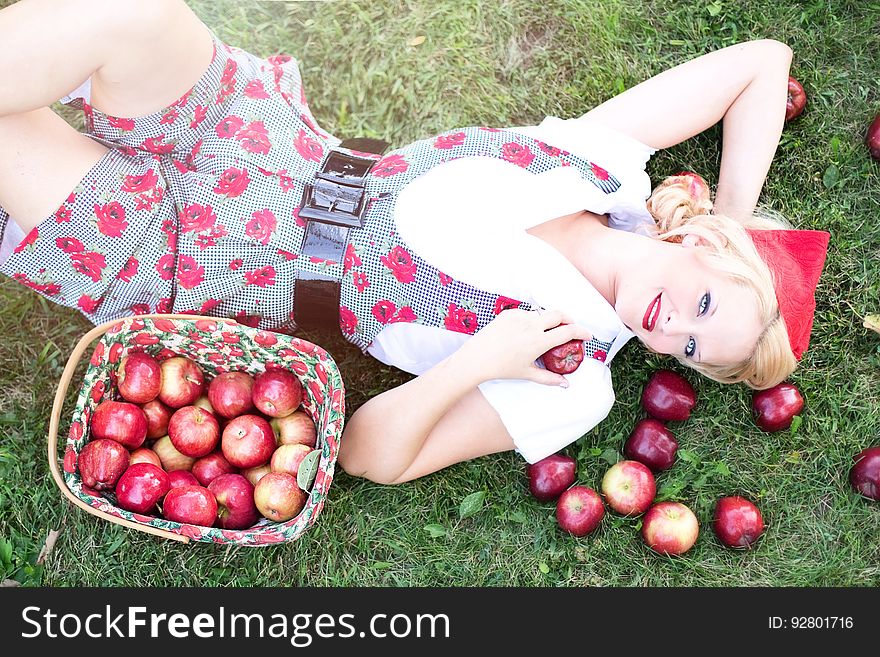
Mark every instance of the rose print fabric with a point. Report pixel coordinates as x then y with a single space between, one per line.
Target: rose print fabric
195 209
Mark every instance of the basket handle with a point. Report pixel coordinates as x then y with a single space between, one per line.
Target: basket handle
55 417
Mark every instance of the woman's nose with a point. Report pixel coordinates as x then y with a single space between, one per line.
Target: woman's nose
672 324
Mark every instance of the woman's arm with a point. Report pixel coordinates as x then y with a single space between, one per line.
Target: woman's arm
440 418
744 85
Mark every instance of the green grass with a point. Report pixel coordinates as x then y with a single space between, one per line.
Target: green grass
507 63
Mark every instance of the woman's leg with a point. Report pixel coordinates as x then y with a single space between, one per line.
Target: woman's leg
140 56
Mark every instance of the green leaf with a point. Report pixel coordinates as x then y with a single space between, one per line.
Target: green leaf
471 504
544 568
690 457
796 424
721 468
831 177
518 516
381 565
715 8
5 552
435 531
610 455
308 469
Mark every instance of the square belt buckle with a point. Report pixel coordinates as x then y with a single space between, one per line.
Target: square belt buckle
336 196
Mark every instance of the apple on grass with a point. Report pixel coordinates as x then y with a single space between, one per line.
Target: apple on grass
864 476
209 467
123 422
171 459
737 522
248 441
651 443
278 497
235 501
668 396
277 392
775 408
288 457
179 478
550 476
194 505
872 138
230 393
141 487
579 510
629 487
194 431
157 415
101 462
796 100
564 358
182 382
296 428
139 377
670 528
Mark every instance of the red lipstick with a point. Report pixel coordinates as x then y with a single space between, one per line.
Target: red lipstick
651 314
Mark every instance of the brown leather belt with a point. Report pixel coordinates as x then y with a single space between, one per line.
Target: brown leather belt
333 204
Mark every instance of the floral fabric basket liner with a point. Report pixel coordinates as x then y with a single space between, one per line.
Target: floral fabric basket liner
217 345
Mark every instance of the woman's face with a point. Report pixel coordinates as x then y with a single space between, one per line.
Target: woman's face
680 305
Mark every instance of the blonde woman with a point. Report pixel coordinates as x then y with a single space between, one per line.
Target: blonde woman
204 184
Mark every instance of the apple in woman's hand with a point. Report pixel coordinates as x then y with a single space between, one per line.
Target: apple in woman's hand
564 358
797 99
872 139
774 408
550 476
737 522
653 444
668 396
865 473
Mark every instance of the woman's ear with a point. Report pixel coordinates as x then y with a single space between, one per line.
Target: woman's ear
690 240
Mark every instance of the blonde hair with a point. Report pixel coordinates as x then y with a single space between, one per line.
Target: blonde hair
682 205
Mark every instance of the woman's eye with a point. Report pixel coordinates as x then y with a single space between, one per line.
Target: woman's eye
704 303
691 347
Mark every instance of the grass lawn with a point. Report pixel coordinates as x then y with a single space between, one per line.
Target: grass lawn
407 69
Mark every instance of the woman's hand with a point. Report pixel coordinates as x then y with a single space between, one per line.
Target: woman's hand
508 347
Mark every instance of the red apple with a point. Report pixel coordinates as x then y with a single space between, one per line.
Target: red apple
138 377
182 382
208 468
797 99
144 455
579 510
179 478
296 428
288 457
157 415
141 487
668 396
172 460
194 505
872 138
248 441
737 522
550 476
775 408
865 473
230 393
278 497
123 422
101 462
670 528
253 475
651 443
276 392
629 487
194 431
564 358
235 501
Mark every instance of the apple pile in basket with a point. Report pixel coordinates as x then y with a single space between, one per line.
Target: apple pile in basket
219 452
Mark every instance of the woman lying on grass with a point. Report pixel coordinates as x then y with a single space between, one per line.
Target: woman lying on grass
473 253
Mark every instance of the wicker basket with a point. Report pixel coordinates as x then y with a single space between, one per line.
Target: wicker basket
217 345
